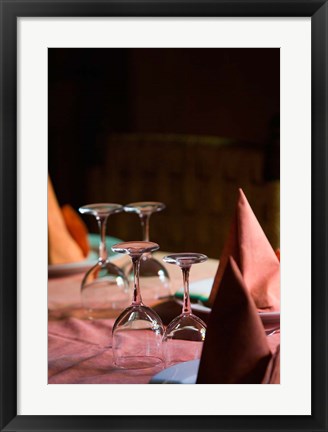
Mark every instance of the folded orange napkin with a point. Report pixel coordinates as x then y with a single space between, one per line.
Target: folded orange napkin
62 248
254 256
235 349
77 228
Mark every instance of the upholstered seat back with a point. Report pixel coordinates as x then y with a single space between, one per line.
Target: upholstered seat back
196 177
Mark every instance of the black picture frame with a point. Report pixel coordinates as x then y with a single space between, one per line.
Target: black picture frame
10 10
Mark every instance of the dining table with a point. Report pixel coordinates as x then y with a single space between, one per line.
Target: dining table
80 348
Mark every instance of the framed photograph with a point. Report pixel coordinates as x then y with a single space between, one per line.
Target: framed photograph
99 98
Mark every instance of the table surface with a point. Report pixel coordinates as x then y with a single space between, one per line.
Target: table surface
79 350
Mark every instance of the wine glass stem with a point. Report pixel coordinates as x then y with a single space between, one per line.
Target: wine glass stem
145 226
186 309
102 222
136 289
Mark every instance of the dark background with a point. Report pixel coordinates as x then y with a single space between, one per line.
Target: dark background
97 93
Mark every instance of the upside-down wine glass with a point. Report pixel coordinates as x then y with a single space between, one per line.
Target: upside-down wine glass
153 275
184 336
138 331
104 287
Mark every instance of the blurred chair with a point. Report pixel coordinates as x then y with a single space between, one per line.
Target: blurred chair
197 177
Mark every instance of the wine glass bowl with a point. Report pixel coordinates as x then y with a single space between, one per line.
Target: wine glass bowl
104 287
184 336
153 275
137 339
138 331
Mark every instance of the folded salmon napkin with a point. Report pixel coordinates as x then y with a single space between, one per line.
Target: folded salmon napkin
272 375
235 350
254 256
62 245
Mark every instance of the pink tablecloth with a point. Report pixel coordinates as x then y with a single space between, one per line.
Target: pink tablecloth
80 353
79 350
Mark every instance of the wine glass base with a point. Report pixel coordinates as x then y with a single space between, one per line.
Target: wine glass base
136 362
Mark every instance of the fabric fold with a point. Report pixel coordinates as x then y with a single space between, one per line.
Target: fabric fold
235 349
254 256
62 248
